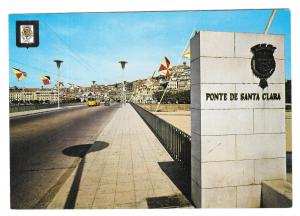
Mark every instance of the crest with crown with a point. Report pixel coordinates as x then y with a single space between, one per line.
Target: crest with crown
263 63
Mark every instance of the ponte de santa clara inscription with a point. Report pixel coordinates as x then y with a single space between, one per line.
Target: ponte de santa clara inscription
242 96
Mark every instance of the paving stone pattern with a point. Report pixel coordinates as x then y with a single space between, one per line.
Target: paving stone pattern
123 170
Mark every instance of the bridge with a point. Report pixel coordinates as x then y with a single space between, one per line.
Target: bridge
100 157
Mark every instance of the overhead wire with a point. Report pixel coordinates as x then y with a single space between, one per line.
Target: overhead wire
66 47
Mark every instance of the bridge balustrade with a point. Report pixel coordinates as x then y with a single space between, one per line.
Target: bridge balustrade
175 141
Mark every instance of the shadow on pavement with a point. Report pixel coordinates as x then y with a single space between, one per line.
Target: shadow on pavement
178 176
175 201
80 151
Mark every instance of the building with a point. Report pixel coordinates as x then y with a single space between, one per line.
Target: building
30 95
48 95
21 95
173 83
140 91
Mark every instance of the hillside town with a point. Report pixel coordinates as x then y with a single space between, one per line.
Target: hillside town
138 91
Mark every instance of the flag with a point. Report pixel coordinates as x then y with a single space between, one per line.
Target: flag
19 74
46 80
165 68
187 53
60 84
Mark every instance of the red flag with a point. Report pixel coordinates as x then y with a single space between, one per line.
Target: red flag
46 80
19 74
165 67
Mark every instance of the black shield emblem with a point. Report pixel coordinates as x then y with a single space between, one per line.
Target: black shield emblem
27 33
263 63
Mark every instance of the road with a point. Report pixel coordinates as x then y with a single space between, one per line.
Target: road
45 148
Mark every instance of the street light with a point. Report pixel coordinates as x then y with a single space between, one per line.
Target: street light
93 88
58 63
123 63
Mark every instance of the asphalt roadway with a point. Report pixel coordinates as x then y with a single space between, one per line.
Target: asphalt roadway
45 148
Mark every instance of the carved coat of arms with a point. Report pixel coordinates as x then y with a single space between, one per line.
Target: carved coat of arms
263 63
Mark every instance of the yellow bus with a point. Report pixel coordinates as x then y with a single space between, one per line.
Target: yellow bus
92 101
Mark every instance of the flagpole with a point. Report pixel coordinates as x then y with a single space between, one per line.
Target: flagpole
270 21
157 107
173 73
187 43
152 90
162 95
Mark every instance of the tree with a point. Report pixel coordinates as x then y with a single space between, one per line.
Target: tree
182 97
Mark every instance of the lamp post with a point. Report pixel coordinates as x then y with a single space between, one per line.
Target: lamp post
58 63
93 89
123 63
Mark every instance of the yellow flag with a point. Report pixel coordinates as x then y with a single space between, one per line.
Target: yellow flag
19 74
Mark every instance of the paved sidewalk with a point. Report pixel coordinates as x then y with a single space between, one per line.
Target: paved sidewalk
38 111
126 168
180 119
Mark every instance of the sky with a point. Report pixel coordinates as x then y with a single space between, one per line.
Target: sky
92 44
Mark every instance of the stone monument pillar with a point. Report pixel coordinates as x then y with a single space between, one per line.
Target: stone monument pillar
238 117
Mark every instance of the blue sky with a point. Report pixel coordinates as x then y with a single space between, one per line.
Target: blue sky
91 44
